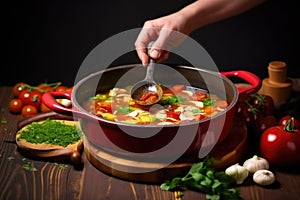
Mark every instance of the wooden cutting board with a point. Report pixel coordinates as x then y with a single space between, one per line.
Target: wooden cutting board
48 151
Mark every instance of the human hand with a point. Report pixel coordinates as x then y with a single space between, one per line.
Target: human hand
166 32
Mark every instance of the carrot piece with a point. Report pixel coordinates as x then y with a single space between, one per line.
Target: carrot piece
209 109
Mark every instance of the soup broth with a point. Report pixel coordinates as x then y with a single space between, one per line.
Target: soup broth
179 104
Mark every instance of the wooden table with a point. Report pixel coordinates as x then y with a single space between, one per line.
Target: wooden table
55 181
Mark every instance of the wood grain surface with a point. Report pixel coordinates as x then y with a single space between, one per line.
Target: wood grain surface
29 179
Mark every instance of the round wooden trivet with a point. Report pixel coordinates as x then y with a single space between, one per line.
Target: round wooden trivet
228 152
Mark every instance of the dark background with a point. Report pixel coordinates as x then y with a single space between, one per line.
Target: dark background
46 41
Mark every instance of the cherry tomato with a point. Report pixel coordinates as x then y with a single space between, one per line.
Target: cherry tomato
285 119
280 145
15 105
29 110
35 99
263 103
69 89
25 96
61 88
245 112
18 88
44 87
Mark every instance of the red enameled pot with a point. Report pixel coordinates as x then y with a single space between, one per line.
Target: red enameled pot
155 140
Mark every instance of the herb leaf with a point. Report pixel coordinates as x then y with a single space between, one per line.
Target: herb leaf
202 177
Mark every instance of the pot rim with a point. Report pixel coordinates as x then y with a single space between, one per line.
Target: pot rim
92 116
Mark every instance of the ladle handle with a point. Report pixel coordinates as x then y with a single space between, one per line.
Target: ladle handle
150 67
150 70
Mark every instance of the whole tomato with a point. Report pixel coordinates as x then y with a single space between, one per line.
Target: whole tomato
18 88
245 112
48 87
263 103
35 99
29 110
45 87
15 105
31 97
60 88
280 145
69 89
285 119
25 96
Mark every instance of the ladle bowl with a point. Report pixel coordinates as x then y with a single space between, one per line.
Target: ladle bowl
147 91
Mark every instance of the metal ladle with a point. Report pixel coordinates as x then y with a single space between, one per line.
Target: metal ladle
147 86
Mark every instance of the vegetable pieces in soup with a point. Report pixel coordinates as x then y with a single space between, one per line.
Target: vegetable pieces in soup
178 105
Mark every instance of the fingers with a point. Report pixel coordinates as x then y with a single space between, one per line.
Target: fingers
160 45
143 39
157 50
165 32
143 56
164 56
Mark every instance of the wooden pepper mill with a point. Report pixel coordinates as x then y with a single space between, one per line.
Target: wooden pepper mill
277 85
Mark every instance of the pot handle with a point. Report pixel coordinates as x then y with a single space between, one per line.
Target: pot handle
252 79
49 99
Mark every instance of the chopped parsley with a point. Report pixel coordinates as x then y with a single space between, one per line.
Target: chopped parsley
28 167
10 158
61 166
4 121
51 132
